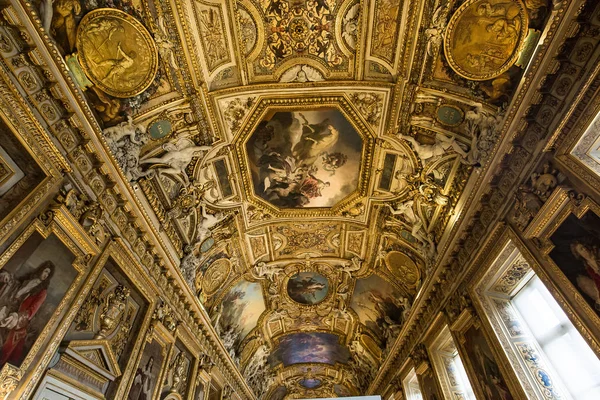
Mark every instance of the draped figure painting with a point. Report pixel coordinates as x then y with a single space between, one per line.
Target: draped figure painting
308 158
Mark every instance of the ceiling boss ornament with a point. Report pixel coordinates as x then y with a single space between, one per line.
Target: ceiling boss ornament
116 52
484 37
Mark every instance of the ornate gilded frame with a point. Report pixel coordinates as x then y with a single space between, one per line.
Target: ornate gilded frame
58 222
504 270
126 262
32 136
554 213
338 102
458 329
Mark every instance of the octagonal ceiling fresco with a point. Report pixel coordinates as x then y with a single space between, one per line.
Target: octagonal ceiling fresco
333 77
304 158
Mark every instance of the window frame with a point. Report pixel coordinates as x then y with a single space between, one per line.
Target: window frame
443 350
506 268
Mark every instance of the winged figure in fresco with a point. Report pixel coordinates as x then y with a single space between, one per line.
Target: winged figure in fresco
315 140
291 155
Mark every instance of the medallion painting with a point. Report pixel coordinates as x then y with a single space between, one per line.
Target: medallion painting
379 306
314 347
116 52
241 307
308 287
577 253
484 37
305 158
32 284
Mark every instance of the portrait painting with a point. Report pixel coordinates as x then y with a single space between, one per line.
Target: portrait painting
19 172
304 158
147 373
576 252
308 287
33 283
313 347
379 305
240 309
484 364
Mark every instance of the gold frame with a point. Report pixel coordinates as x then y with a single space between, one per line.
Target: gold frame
579 310
126 262
507 243
57 222
164 338
314 102
19 119
464 322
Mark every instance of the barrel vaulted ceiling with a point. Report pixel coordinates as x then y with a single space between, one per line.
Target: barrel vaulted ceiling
308 163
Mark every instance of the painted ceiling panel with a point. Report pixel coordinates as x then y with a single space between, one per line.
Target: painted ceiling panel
304 160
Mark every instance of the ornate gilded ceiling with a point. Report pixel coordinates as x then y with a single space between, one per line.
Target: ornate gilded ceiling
304 160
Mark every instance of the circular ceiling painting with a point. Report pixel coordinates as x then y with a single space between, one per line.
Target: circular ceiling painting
308 287
116 52
304 158
484 37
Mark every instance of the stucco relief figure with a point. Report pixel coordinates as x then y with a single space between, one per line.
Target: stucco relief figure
264 271
208 223
406 210
64 26
125 142
427 152
46 13
20 300
176 159
483 128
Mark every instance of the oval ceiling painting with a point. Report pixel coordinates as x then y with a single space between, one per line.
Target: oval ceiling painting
484 37
304 158
308 287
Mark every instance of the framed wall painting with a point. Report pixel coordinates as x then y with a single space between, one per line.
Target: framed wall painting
117 266
569 248
485 373
151 367
29 164
40 272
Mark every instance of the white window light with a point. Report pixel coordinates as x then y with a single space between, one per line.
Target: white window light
575 363
411 386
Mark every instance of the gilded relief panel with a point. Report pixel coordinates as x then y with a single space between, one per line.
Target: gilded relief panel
298 29
210 18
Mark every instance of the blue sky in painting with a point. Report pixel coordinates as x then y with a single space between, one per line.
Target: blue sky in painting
314 347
